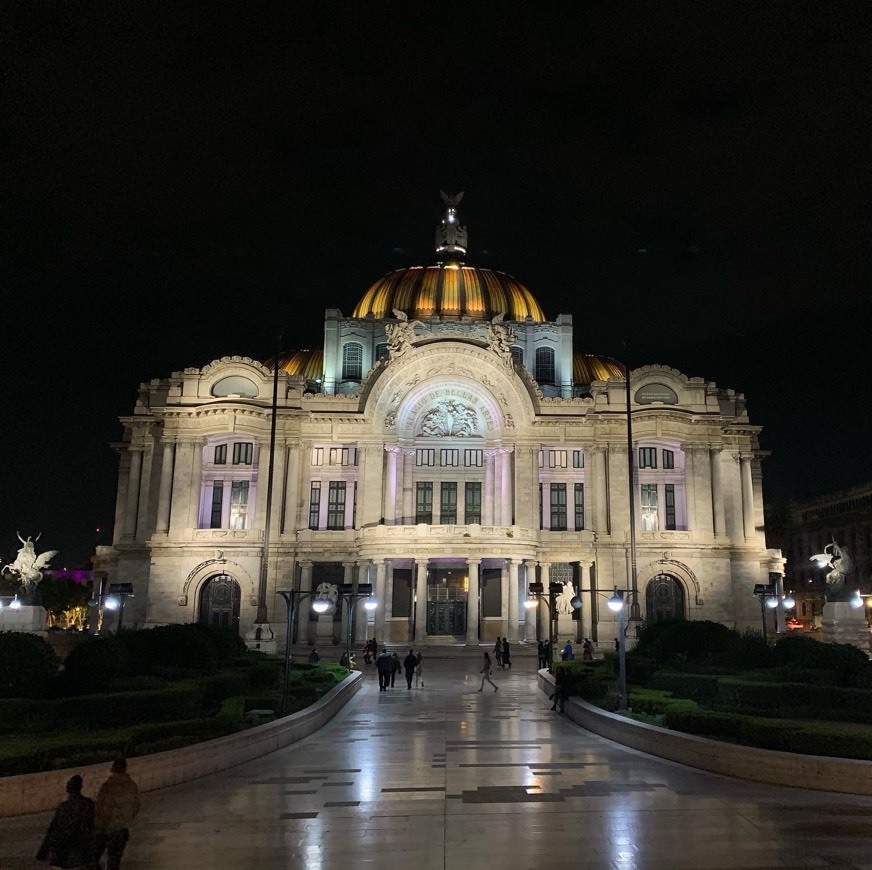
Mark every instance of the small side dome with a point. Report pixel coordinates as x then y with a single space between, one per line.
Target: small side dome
590 367
306 363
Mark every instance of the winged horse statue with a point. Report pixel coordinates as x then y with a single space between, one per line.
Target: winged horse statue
27 567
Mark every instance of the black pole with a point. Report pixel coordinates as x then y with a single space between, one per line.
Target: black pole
763 615
635 613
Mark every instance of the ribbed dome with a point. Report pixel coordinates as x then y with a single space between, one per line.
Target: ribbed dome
588 367
449 290
308 364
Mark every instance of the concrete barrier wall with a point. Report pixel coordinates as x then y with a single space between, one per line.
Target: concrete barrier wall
819 772
35 792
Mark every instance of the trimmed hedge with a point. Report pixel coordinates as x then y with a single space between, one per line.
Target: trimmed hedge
697 687
27 665
589 680
802 651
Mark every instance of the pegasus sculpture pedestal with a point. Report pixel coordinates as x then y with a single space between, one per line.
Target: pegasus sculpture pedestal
842 623
26 618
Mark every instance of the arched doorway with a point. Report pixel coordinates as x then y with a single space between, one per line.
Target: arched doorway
219 602
664 599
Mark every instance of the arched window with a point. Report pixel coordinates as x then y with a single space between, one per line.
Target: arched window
518 354
381 350
352 361
545 365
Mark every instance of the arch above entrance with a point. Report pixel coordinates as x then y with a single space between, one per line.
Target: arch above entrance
678 570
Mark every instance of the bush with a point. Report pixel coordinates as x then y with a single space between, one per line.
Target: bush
218 687
190 646
588 680
677 642
27 665
656 703
785 699
748 651
697 687
802 651
640 670
94 664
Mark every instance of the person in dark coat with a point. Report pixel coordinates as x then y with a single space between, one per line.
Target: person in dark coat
410 662
396 667
70 840
498 652
117 806
384 665
560 693
507 656
542 652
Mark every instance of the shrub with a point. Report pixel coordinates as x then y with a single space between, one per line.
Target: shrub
218 687
27 665
677 642
656 703
265 674
748 651
641 670
95 663
588 680
188 646
802 651
697 687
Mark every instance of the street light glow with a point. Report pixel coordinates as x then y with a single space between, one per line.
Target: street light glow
772 603
789 602
370 604
111 603
530 603
616 603
321 605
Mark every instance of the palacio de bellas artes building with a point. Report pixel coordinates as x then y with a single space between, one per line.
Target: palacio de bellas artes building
449 446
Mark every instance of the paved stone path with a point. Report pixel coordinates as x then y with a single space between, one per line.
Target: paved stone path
446 777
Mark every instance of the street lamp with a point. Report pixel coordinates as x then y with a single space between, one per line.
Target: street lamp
616 605
351 594
14 604
769 600
537 592
117 598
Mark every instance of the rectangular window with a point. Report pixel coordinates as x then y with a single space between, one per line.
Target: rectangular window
424 456
650 518
424 501
242 452
668 459
647 457
558 507
669 499
472 503
557 459
354 505
541 508
449 458
578 459
448 503
336 505
340 456
220 456
239 503
579 507
317 456
473 458
217 504
381 350
314 504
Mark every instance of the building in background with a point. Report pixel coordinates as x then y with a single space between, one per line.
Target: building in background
450 445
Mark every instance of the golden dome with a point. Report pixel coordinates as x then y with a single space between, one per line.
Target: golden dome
308 364
589 367
449 290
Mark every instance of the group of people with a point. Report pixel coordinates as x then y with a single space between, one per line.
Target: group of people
389 665
502 653
81 831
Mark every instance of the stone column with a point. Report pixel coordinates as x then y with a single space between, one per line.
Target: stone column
420 600
720 524
600 490
472 604
370 503
505 500
543 611
530 615
133 484
488 496
748 522
526 487
514 600
584 580
165 488
407 485
292 493
699 477
362 615
380 596
347 607
301 631
390 495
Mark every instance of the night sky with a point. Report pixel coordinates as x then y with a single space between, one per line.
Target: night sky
689 180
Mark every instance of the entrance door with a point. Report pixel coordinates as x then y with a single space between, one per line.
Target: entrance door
447 590
219 602
664 599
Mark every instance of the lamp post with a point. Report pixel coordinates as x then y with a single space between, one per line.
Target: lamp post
537 593
96 603
116 599
635 612
616 605
769 600
351 594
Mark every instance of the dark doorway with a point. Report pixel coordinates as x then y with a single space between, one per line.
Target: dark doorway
664 599
447 590
219 602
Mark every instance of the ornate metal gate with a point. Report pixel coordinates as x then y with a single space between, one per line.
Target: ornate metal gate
219 602
664 599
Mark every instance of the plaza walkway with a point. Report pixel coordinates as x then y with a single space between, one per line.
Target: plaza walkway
447 778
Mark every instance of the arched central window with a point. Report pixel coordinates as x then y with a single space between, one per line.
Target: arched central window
352 361
545 365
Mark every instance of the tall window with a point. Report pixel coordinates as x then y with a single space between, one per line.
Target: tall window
558 507
220 456
579 507
517 354
380 351
424 502
352 361
545 365
473 458
425 456
239 503
317 456
669 500
647 457
336 505
650 520
448 503
472 503
578 459
342 455
668 459
217 504
314 504
449 457
242 451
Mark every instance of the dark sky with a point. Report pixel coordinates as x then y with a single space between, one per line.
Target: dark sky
180 180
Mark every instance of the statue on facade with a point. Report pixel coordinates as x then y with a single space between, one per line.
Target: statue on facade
451 237
563 601
27 567
401 334
327 592
501 337
835 558
449 419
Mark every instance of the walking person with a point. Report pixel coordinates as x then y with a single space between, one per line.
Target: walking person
587 651
410 662
507 656
486 670
70 840
396 667
559 696
542 652
498 652
419 669
384 665
117 806
567 654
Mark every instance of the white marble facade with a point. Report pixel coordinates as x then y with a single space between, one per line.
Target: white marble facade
443 470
